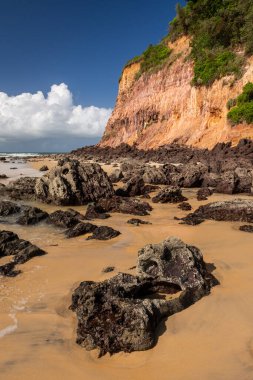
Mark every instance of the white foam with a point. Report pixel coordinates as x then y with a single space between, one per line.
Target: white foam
11 328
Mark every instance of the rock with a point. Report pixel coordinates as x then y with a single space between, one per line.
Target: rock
74 183
3 176
191 220
95 212
44 168
21 250
125 206
137 222
190 175
9 270
31 215
226 184
246 228
108 269
204 193
156 176
22 188
14 168
185 206
65 219
169 195
8 208
116 176
80 229
234 210
134 187
123 313
103 233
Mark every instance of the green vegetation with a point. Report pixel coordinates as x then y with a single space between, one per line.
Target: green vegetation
217 28
243 109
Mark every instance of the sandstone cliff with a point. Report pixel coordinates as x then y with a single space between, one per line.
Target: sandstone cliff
163 107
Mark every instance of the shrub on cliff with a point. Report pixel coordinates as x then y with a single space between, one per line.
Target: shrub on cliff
243 110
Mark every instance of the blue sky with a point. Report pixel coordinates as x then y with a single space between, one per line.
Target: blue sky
81 43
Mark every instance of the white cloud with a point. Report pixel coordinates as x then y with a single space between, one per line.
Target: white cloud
35 116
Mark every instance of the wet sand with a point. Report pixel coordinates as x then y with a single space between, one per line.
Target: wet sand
212 339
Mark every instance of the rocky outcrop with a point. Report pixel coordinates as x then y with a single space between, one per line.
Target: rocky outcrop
8 208
95 212
80 229
103 233
235 210
169 195
185 206
163 107
65 219
125 206
20 250
22 188
73 183
204 193
31 215
122 313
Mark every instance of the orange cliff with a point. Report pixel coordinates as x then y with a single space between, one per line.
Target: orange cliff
163 107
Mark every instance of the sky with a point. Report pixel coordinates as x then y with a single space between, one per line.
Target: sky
60 64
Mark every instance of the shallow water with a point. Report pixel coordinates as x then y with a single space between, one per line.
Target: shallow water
212 339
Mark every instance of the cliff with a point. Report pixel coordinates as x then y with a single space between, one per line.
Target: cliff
163 107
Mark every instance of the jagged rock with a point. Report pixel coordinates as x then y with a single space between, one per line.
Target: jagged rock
74 183
137 222
169 195
22 188
204 193
21 250
125 206
80 229
122 313
135 186
65 219
185 206
8 208
3 176
116 176
44 168
95 212
103 233
31 215
9 270
234 210
108 269
191 220
190 175
246 228
156 176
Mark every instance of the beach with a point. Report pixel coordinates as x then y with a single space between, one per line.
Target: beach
212 339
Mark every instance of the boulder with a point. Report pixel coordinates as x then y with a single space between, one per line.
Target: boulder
125 206
65 219
204 193
22 188
74 183
31 215
185 206
116 176
137 222
44 168
103 233
80 229
123 313
235 210
135 186
246 228
169 195
9 208
95 212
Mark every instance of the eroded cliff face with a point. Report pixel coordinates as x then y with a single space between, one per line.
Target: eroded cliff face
163 107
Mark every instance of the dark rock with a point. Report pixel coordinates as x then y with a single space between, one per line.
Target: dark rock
14 168
9 270
137 222
204 193
31 215
234 210
108 269
44 168
95 212
116 176
103 233
22 188
135 186
185 206
125 206
192 220
74 183
169 195
3 176
80 229
123 313
65 219
8 208
153 175
246 228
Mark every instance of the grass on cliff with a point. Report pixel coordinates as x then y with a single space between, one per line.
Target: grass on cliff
218 28
242 107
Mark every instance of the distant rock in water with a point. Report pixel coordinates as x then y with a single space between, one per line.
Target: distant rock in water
122 313
8 208
21 250
44 168
31 215
80 229
65 219
103 233
137 222
246 228
73 183
22 188
125 206
169 195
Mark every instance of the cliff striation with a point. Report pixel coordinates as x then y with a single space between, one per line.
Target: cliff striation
163 107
